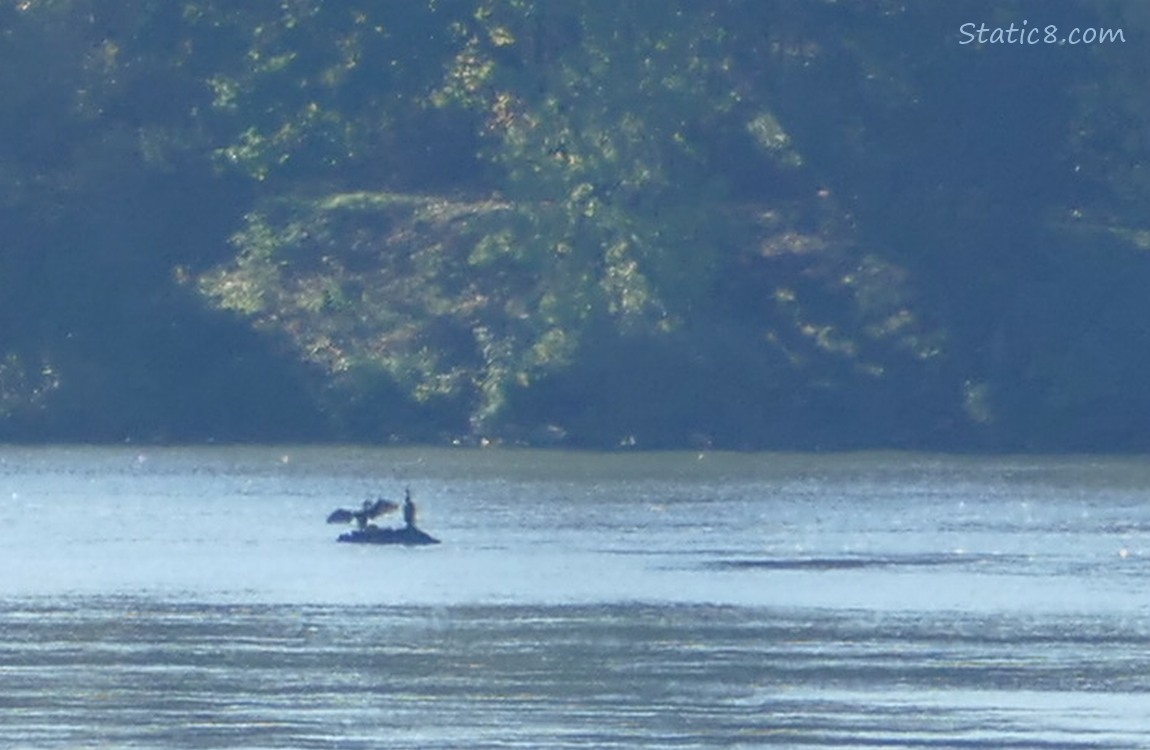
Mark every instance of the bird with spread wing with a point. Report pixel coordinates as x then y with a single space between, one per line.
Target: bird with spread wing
368 512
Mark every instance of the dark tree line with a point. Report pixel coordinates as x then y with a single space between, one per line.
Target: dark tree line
675 223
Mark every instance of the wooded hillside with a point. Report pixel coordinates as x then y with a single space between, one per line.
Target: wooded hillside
653 224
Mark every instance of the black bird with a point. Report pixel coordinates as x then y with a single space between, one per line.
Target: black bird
368 512
408 510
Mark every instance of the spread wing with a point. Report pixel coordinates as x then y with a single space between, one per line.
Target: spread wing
381 506
341 515
369 511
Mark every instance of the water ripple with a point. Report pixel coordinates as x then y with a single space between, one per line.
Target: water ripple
113 672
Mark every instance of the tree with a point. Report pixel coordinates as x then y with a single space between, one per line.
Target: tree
106 192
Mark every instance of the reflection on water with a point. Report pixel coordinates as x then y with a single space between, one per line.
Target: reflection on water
196 599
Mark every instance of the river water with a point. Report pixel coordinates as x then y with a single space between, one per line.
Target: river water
195 598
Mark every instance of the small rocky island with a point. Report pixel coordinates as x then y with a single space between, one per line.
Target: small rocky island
367 532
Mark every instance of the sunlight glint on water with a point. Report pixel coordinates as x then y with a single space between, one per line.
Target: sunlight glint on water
186 598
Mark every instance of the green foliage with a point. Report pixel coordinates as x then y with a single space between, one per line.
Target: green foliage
23 388
653 223
323 91
600 114
389 283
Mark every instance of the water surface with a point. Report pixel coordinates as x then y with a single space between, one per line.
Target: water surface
184 598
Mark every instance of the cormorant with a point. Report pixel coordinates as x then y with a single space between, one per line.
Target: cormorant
368 512
408 509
